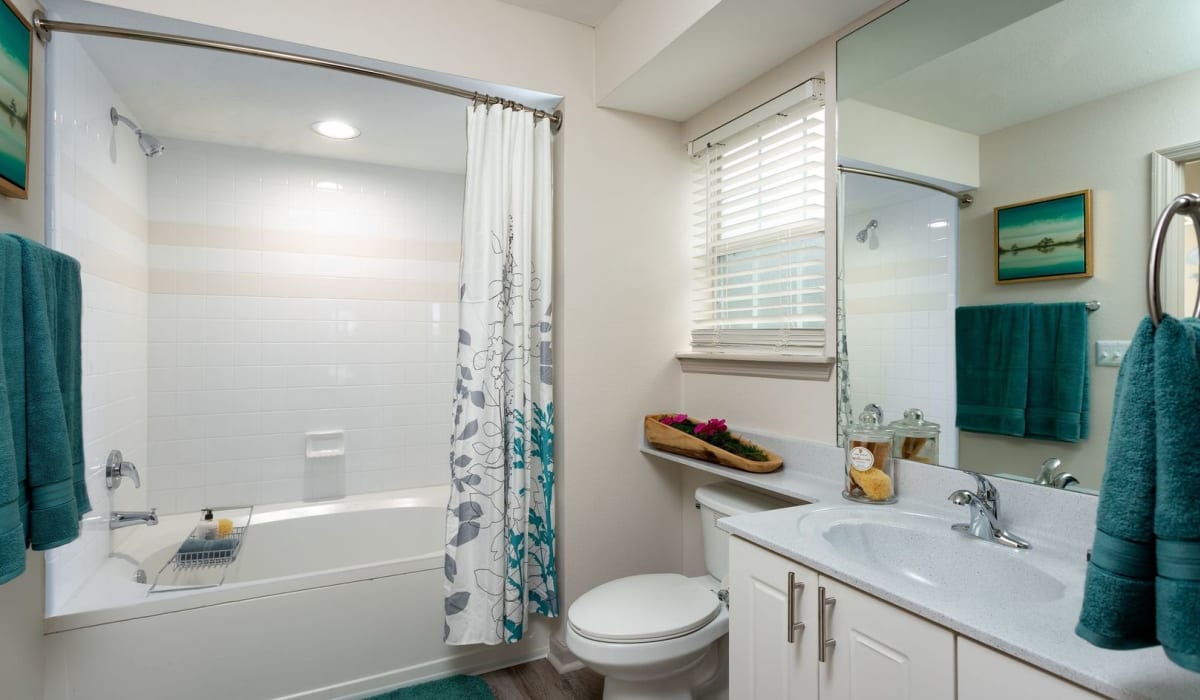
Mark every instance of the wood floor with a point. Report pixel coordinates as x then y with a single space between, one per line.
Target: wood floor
538 680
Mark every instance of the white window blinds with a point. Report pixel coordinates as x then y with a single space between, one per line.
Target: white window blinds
759 265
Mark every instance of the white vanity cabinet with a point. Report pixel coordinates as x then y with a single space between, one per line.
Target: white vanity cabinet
986 674
880 650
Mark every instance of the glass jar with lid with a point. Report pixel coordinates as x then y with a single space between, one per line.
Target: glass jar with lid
869 475
916 438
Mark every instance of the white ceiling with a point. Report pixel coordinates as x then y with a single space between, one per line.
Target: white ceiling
589 12
204 95
1071 53
734 43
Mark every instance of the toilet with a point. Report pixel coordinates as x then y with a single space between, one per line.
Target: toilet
662 636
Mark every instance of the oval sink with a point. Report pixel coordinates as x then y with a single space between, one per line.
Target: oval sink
923 549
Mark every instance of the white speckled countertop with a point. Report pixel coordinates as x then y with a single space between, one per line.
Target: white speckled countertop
1059 524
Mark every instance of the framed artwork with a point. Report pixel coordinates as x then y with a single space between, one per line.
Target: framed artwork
16 81
1044 239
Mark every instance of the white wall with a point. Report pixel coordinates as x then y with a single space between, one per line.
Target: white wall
621 201
1104 146
900 294
898 142
98 184
280 307
22 600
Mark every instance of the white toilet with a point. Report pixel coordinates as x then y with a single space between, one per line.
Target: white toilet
662 636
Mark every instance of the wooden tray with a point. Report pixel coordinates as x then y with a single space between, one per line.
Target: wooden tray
669 439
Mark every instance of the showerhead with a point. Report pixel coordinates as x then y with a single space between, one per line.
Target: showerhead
150 146
861 236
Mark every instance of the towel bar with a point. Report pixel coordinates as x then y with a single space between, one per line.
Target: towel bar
1188 204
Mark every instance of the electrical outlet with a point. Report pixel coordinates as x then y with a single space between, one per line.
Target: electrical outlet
1109 353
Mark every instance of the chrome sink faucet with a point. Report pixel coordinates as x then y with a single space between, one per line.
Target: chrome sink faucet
985 514
124 518
1049 475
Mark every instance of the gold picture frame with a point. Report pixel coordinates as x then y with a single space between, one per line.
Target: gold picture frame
16 89
1044 239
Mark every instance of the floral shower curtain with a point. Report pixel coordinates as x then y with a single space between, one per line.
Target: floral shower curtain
499 526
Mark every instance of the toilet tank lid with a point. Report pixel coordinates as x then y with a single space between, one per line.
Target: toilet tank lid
729 499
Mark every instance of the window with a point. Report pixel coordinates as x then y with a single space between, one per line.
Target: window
759 266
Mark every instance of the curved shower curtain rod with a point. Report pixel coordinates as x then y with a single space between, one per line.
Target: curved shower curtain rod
44 28
964 199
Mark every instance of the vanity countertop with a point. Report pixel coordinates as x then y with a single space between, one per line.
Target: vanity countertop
1060 526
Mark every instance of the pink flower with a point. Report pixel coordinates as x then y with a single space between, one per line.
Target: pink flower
713 427
673 419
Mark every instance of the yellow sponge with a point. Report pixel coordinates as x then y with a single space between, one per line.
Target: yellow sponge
224 527
875 484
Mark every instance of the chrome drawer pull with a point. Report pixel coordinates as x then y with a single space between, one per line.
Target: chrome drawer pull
793 589
823 643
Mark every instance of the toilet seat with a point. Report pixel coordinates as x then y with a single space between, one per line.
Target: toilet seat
645 608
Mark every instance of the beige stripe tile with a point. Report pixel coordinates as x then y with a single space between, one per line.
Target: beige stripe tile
95 259
299 287
245 238
103 200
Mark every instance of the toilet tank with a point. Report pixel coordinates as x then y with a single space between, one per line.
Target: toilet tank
721 500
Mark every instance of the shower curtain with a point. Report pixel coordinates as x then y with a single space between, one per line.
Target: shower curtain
499 526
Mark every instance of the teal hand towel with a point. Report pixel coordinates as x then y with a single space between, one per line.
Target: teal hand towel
1176 511
1057 404
52 305
992 349
12 413
1118 598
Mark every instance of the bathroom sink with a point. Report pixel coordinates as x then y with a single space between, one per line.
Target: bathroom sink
922 549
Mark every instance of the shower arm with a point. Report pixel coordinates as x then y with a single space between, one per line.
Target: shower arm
116 117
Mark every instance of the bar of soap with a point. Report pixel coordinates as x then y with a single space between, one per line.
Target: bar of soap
876 485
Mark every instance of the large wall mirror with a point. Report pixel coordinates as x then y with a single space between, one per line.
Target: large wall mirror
1011 102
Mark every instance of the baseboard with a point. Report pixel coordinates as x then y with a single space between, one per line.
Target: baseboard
472 664
561 658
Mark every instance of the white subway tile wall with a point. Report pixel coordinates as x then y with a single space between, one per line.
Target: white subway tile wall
901 291
97 187
292 294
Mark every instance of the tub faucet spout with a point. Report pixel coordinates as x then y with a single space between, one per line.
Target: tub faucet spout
125 518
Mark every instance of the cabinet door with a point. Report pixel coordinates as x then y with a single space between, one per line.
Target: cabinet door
882 651
986 674
763 664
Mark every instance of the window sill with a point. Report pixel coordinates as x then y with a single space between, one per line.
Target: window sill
806 367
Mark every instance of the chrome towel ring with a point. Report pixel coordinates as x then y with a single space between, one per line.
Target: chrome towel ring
1188 204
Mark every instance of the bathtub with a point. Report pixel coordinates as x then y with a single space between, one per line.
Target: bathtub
335 599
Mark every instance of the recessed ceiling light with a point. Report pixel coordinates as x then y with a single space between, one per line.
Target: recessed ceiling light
335 130
940 223
329 185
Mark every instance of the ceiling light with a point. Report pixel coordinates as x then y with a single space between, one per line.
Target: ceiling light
328 185
335 130
940 223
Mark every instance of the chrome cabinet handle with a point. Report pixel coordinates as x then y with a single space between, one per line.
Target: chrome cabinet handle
822 642
793 589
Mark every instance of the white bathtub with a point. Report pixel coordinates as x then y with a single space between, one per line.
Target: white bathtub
328 600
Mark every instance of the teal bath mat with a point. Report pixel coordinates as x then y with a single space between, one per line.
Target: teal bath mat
452 688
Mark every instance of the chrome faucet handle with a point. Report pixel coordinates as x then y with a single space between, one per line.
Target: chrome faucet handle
116 468
1045 475
985 490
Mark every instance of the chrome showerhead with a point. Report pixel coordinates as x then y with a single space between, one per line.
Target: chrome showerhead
862 235
150 146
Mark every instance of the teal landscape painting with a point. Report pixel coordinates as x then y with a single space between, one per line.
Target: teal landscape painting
14 101
1045 239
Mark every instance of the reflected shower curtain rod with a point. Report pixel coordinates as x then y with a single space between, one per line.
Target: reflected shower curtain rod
45 27
964 200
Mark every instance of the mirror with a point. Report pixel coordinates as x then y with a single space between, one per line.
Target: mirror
1011 102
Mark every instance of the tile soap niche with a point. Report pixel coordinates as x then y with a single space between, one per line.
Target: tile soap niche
325 443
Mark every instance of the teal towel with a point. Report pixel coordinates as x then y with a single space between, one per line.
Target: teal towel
1118 598
992 348
1057 407
52 301
1176 515
12 413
